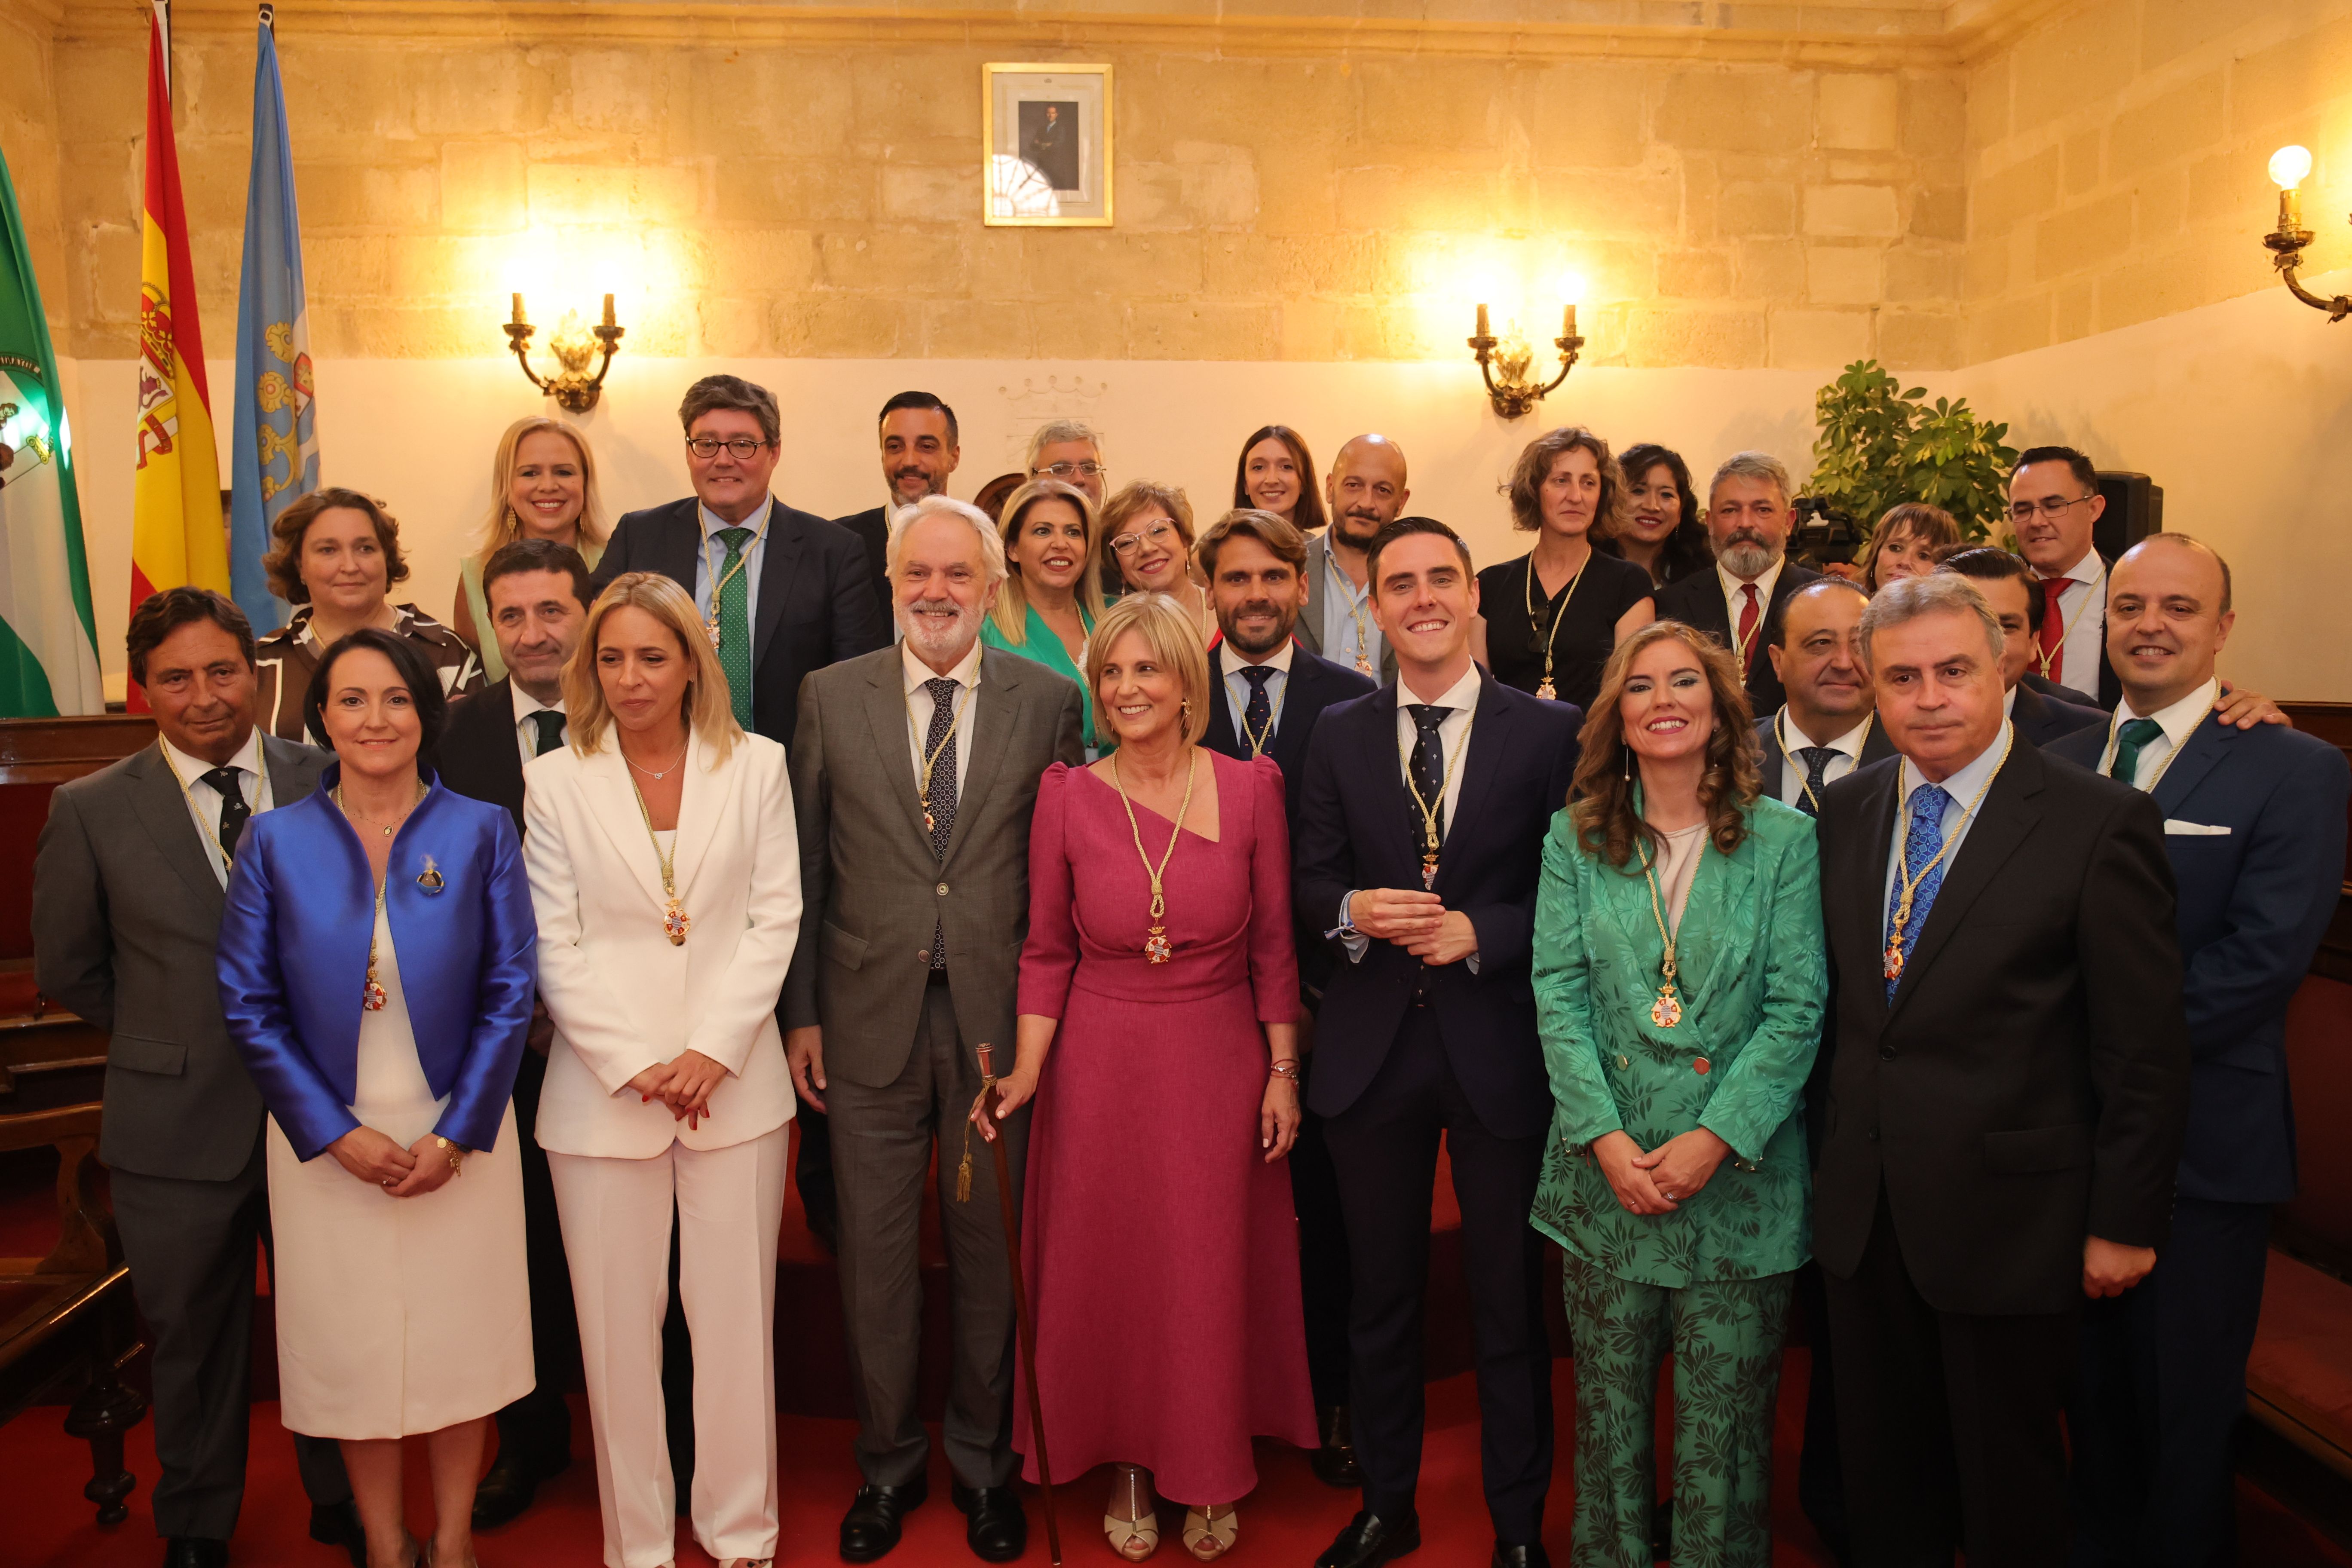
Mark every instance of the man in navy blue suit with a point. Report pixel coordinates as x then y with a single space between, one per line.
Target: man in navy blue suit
2254 826
1419 841
1266 695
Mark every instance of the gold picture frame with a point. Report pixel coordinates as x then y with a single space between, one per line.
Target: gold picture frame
1045 145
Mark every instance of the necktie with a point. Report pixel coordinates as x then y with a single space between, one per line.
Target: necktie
1428 767
2052 635
1750 612
735 623
1919 845
939 800
2135 735
235 813
550 730
1258 719
1817 777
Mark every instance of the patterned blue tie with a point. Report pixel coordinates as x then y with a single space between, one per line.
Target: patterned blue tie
1920 844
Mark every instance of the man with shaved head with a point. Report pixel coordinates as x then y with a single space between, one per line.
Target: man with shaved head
1366 492
2253 825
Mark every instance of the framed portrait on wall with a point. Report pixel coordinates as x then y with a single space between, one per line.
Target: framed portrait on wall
1045 146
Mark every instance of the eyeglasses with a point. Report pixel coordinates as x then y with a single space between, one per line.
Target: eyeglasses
707 446
1072 471
1126 544
2052 507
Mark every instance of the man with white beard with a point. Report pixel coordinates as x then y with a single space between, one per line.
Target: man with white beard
914 772
1740 602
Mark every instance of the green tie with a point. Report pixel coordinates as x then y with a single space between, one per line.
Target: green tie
550 730
734 623
2134 733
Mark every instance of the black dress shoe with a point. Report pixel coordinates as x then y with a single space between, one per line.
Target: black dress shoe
997 1530
870 1528
1528 1556
502 1496
1335 1457
195 1552
338 1524
1370 1541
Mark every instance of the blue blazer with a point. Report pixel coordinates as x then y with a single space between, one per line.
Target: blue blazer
2254 902
1356 829
293 958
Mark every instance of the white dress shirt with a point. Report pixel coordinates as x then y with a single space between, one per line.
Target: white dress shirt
1230 666
2082 611
525 727
1793 743
1461 700
204 802
2179 721
1735 598
1966 789
920 709
710 557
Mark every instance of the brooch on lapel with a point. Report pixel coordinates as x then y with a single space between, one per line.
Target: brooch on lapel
430 877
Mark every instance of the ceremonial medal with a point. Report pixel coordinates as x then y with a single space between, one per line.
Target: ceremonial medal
1667 1010
931 756
1909 882
1895 956
676 921
1156 948
1431 840
711 627
1429 870
1363 665
1545 690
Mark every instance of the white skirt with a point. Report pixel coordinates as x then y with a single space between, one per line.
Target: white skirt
398 1315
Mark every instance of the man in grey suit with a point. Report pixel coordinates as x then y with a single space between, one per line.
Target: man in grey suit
127 893
1366 491
915 769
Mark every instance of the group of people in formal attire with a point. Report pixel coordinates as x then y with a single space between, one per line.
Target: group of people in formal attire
1902 951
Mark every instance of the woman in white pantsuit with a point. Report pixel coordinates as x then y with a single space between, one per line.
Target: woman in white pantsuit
666 874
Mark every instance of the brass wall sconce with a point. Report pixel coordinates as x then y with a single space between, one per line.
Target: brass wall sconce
1504 364
572 387
2289 166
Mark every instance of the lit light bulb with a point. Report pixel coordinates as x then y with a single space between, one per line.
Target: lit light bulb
2289 166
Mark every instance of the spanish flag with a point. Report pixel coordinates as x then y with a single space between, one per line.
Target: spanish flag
175 512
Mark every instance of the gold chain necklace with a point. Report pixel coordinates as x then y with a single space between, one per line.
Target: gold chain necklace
742 559
1910 883
676 921
931 755
1429 835
213 850
1348 594
1155 944
2042 659
1259 742
373 995
1545 690
1667 1010
1788 758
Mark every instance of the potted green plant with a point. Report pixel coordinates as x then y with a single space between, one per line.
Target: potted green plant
1881 445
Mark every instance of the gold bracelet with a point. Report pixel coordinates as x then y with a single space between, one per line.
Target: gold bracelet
457 1152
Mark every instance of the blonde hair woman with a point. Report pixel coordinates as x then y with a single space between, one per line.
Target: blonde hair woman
542 486
1163 986
664 871
1048 606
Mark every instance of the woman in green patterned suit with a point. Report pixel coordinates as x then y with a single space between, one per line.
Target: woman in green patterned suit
1679 977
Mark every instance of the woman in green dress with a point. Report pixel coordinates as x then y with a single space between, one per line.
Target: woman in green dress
542 486
1048 606
1679 980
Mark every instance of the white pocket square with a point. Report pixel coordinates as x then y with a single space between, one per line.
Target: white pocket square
2173 825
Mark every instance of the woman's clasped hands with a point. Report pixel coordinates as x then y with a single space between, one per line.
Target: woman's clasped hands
1657 1181
683 1085
422 1167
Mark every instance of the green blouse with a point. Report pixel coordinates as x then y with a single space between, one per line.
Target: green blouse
1040 643
1753 979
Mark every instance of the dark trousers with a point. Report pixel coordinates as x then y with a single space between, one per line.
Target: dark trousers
1821 1481
813 1170
1384 1148
189 1244
1949 1421
1323 1285
2163 1388
537 1428
882 1141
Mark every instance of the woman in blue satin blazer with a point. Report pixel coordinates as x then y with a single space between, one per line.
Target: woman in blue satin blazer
377 964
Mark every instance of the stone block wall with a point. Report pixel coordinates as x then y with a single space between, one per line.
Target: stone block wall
28 136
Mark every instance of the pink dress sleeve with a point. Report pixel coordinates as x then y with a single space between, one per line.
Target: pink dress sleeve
1050 954
1274 951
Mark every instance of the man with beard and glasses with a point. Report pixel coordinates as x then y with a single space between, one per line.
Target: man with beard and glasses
1366 491
919 453
1266 695
1741 601
915 769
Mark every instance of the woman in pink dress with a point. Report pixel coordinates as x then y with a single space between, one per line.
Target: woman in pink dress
1158 1033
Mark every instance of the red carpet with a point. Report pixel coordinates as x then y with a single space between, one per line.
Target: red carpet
1291 1517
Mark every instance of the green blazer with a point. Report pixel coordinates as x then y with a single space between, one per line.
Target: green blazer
1039 643
1753 981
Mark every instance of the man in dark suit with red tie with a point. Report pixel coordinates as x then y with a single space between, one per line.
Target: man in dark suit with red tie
1267 694
2008 1088
1740 603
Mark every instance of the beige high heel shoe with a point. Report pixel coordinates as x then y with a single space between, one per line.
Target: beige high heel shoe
1133 1530
1209 1532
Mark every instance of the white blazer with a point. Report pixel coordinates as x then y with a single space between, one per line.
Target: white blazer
625 999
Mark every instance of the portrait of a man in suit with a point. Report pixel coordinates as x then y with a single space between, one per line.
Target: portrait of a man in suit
1049 139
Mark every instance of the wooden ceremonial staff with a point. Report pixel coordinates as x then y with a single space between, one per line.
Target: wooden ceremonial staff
988 1097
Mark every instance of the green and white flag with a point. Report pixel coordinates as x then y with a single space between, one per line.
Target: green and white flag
48 641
